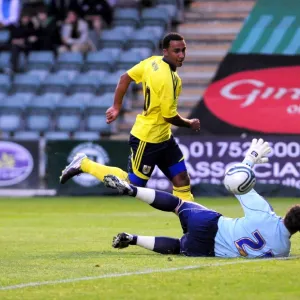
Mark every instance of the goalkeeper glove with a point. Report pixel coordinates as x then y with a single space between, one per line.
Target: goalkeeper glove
257 153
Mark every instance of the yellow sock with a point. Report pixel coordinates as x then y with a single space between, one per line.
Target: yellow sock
99 171
183 192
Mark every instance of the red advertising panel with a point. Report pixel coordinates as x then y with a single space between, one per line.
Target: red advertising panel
265 100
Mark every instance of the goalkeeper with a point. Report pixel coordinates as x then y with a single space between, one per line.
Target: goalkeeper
260 233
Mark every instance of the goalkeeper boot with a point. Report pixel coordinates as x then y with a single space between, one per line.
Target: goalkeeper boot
115 182
73 169
122 240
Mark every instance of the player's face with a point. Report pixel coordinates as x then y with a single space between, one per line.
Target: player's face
175 54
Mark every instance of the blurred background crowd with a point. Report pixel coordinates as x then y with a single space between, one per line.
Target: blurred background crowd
60 62
58 25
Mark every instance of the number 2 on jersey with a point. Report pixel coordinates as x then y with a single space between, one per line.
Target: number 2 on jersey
255 244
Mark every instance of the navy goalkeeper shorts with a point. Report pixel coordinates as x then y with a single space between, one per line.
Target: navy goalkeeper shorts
200 226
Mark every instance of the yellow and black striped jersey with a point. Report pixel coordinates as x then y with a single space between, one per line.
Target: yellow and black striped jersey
161 87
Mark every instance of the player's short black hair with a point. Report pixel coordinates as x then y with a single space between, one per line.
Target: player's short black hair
292 219
172 36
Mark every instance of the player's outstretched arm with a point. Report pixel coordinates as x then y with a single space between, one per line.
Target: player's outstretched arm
257 153
179 121
252 202
113 112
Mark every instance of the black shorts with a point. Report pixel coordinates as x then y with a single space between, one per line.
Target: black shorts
167 156
200 225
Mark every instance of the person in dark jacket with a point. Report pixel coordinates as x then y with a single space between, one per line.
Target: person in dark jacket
23 39
47 31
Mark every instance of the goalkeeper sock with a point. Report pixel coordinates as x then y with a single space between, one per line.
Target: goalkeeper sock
166 245
159 244
183 192
99 171
157 199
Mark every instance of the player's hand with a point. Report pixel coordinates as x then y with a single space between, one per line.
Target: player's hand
111 114
195 124
258 151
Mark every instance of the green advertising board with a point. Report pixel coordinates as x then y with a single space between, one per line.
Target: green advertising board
273 27
60 153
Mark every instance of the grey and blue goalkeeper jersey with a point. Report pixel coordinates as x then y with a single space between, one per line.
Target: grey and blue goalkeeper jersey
260 233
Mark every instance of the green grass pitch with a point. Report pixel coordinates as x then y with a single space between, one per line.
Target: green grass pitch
60 248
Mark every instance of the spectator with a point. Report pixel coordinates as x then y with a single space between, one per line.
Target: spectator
74 34
97 12
9 12
47 31
23 39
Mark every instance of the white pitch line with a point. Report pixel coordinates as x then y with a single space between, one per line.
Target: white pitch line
112 275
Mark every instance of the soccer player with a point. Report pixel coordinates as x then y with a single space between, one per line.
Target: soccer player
260 233
151 141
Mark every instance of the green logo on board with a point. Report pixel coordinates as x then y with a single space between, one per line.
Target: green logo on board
273 27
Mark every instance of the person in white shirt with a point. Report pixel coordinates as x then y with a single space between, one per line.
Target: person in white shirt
74 34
